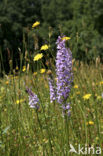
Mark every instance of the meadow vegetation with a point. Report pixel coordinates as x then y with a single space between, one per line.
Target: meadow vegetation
25 131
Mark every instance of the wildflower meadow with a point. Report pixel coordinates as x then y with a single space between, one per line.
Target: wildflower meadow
51 106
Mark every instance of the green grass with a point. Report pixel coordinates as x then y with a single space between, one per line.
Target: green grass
25 132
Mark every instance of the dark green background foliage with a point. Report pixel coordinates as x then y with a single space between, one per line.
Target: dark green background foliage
82 20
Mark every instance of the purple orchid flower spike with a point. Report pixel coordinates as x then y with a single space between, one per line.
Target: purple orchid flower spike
64 73
33 99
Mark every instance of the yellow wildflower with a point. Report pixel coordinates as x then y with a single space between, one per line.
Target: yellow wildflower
44 47
66 38
20 101
42 71
101 83
36 24
7 82
35 73
87 96
17 68
76 86
38 57
24 68
90 123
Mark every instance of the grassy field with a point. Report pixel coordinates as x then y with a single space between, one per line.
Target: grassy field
27 132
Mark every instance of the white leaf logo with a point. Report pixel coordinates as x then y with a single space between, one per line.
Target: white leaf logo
72 150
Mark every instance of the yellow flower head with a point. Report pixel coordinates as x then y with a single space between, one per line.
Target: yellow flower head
7 82
35 73
87 96
42 71
76 86
20 101
90 123
66 38
17 68
44 47
38 57
24 68
101 83
36 24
